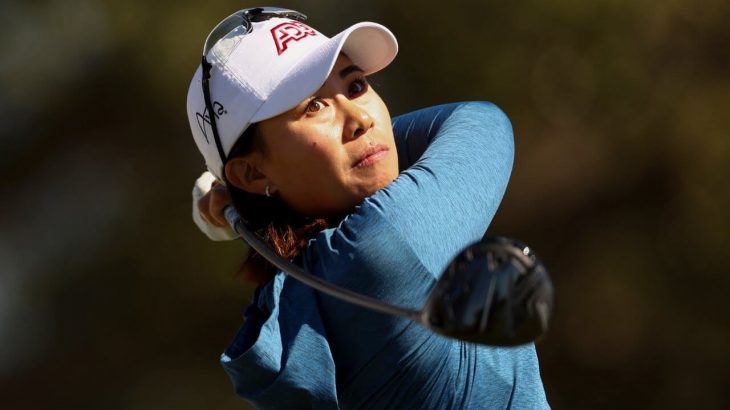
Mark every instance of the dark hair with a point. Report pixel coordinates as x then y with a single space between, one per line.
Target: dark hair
284 230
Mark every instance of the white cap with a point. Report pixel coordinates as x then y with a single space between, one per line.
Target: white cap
266 72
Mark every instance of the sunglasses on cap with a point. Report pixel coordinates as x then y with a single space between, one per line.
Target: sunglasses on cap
242 18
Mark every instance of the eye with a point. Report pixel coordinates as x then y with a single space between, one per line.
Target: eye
315 105
357 87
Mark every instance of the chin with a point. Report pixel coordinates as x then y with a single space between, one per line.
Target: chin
368 180
375 185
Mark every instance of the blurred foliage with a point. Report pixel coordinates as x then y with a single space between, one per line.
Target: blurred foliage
109 298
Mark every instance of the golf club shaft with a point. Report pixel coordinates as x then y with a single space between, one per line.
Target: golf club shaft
234 220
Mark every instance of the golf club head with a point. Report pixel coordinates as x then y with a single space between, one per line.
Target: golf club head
495 292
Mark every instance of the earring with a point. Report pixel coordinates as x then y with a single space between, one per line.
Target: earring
268 193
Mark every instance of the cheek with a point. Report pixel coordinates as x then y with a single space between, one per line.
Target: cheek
312 180
309 164
377 106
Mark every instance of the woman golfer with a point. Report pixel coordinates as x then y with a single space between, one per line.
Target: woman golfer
285 118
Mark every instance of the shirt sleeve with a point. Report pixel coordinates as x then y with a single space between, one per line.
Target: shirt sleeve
456 162
447 198
457 159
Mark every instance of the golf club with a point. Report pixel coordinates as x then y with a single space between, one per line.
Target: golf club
495 292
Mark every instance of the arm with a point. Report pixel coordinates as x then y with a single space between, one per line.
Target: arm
458 158
398 241
447 198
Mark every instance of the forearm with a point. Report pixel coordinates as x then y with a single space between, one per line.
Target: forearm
449 195
459 159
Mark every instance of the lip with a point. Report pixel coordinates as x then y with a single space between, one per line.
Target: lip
371 155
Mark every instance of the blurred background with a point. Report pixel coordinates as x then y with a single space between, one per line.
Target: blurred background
110 298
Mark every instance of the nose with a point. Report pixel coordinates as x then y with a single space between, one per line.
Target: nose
357 119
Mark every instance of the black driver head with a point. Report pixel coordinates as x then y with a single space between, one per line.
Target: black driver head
495 292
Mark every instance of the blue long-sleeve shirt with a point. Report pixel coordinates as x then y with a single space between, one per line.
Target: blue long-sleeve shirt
299 348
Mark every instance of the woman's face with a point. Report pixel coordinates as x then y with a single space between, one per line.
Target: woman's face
331 151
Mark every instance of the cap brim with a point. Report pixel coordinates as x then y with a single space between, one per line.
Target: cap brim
370 46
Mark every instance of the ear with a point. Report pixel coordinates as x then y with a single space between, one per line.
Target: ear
245 173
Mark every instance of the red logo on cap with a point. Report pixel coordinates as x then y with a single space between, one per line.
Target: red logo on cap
291 30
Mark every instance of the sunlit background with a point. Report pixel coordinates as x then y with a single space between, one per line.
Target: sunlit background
110 298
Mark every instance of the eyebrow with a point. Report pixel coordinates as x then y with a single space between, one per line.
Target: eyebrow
348 70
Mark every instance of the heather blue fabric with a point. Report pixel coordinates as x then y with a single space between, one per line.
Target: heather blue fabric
302 349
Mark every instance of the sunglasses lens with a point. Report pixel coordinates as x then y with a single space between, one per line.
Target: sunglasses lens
224 27
243 18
